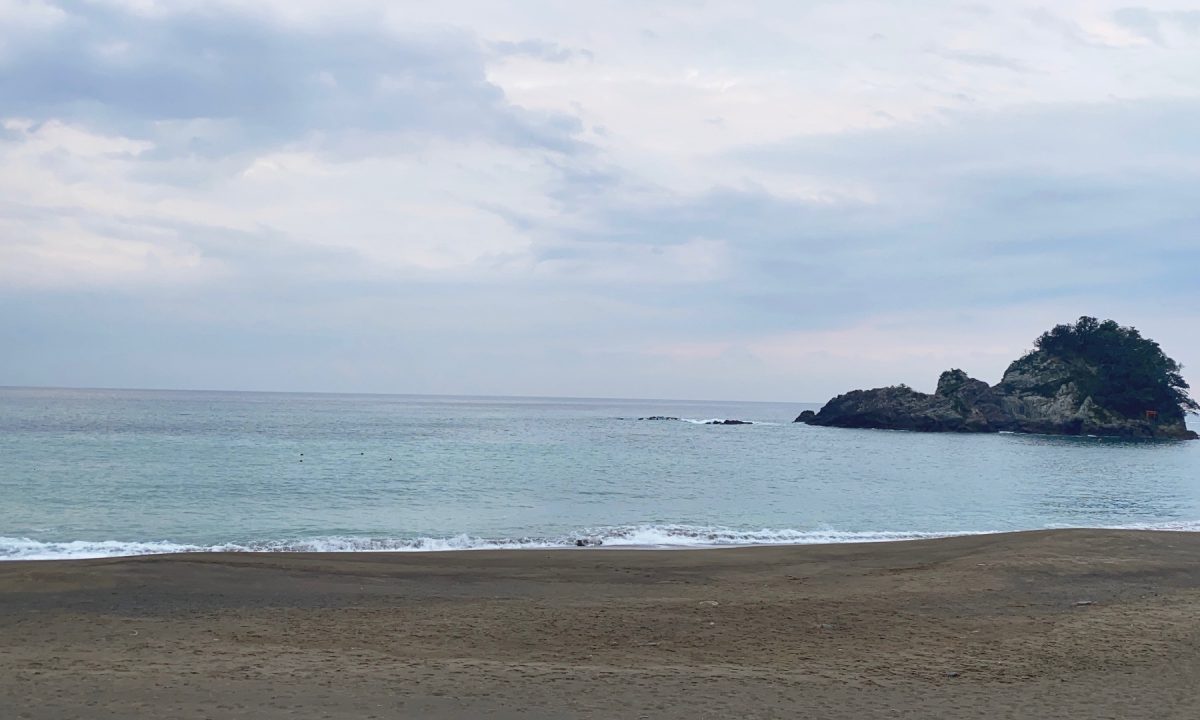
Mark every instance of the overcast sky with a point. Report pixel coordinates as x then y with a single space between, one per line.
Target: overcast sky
711 200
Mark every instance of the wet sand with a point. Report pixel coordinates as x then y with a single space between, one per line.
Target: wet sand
1059 624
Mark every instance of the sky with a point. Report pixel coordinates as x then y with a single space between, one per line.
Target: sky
667 199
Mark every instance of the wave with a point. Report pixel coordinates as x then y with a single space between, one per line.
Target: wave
628 536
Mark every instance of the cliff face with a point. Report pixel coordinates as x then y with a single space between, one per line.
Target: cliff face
1039 393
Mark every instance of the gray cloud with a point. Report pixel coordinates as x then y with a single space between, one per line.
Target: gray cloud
1066 138
1063 27
1150 23
1141 21
987 60
209 83
540 50
978 211
1189 20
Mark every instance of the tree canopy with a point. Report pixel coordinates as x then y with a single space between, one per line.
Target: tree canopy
1129 373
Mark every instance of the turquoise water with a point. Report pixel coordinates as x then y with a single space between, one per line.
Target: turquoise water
102 472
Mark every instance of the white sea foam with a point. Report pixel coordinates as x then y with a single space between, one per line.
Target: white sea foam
656 536
26 549
628 536
1171 526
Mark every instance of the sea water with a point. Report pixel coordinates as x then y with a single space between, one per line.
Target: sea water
87 473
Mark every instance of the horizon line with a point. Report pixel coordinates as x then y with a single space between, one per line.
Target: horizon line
398 394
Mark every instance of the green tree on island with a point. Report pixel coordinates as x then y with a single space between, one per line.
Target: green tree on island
1126 372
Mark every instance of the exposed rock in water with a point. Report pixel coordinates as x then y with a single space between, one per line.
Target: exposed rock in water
1089 378
707 422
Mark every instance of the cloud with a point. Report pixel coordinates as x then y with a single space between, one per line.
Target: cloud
1141 21
1154 25
213 82
458 197
987 60
539 50
974 212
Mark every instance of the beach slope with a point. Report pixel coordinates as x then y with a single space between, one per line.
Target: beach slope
1054 624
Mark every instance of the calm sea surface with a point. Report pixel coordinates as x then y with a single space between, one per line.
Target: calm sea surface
104 472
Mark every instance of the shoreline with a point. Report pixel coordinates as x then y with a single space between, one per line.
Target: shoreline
568 544
1032 624
483 553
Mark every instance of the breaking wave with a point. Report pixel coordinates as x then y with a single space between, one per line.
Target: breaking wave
629 536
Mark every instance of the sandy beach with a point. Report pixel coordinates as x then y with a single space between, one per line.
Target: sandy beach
1070 624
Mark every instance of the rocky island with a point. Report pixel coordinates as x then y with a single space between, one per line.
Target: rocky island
1085 378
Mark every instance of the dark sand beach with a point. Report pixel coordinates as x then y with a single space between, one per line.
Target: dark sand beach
1056 624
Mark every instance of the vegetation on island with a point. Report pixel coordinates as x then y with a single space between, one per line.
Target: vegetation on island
1122 370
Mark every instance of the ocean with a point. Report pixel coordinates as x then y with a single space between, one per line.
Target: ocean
96 473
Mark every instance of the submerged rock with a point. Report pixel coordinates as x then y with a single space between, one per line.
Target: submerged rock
658 417
1090 378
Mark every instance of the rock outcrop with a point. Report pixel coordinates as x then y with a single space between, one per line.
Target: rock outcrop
1043 392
